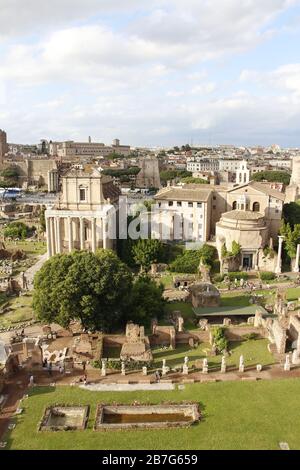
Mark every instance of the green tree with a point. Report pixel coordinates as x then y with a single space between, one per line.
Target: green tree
188 262
291 237
16 230
94 288
291 213
207 254
273 176
147 251
191 180
147 301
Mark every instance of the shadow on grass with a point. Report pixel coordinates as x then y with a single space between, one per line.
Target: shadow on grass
40 390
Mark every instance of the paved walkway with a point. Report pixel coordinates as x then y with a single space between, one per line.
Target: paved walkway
34 269
126 387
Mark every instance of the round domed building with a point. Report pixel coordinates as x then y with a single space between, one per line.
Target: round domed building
248 229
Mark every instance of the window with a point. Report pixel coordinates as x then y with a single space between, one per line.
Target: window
199 204
256 207
82 194
170 203
190 204
179 203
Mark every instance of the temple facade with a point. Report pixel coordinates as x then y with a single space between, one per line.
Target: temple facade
84 216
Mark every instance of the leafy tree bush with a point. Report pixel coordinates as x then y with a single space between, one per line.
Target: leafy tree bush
273 176
16 230
147 301
188 262
292 238
147 251
267 276
219 278
94 288
219 338
168 175
237 275
291 213
191 180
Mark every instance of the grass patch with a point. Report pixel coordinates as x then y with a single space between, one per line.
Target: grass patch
20 311
254 352
236 415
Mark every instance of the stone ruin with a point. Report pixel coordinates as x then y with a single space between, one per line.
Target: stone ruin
204 295
136 346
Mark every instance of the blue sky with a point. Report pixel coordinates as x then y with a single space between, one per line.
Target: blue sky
157 73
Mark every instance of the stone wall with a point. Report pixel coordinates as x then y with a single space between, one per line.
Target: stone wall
33 172
278 334
236 333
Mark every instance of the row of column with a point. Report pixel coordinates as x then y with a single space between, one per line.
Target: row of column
54 239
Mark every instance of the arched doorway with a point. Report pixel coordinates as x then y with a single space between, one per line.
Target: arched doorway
234 205
256 207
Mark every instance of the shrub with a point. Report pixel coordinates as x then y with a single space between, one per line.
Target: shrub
219 277
238 275
16 230
220 341
267 276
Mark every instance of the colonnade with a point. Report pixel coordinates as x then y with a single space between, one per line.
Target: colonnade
58 234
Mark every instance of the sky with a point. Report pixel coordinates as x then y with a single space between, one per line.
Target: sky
151 73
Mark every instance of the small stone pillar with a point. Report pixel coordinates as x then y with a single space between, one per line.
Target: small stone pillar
296 267
144 370
103 370
123 372
172 338
241 364
259 367
180 324
185 369
223 365
205 366
278 266
165 369
287 364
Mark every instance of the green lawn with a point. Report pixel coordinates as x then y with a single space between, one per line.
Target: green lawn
30 247
236 415
254 352
20 310
293 293
187 313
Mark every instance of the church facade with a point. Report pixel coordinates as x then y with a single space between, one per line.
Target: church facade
84 216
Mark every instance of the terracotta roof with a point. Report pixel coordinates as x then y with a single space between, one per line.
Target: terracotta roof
183 194
263 188
242 215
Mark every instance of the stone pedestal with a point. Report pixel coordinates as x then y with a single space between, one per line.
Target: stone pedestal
259 367
123 372
103 370
205 366
241 364
287 364
144 370
223 365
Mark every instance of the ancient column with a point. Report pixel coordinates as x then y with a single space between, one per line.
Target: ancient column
52 231
70 234
185 369
48 235
223 365
278 267
103 369
165 369
81 232
123 371
296 267
93 234
241 364
58 234
205 366
104 220
287 364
